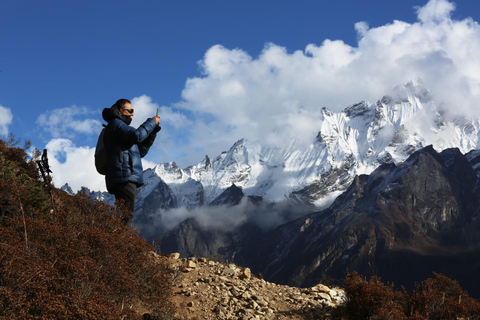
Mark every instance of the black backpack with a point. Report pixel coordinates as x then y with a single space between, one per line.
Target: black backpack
101 154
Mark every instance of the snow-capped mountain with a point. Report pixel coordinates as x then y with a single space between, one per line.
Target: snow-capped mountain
352 142
94 195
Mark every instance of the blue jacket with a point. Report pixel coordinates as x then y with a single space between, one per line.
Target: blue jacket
125 147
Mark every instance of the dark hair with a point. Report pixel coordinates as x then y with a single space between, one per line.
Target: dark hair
120 103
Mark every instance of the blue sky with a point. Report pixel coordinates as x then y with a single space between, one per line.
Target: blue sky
218 70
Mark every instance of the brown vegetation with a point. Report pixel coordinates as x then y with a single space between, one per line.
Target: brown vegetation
437 298
64 257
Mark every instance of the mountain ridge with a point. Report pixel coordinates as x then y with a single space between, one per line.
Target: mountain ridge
352 142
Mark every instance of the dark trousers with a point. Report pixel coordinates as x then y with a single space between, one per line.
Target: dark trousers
126 192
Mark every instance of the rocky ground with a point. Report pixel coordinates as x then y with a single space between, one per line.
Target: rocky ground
211 290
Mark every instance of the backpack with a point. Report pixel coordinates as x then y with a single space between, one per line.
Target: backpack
101 154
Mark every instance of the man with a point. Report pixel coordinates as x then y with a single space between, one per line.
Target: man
125 147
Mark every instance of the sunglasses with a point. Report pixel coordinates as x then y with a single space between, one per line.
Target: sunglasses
130 110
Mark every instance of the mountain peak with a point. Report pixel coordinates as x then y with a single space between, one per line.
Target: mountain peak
359 109
66 187
407 92
354 141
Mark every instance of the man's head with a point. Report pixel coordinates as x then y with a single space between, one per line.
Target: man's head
124 106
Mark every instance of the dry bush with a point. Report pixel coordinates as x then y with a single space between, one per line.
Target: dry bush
434 298
71 259
371 300
442 298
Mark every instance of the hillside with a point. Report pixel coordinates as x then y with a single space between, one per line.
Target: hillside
65 257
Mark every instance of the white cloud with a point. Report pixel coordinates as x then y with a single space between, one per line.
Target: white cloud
146 164
225 217
5 120
145 108
73 165
67 122
172 142
435 10
278 94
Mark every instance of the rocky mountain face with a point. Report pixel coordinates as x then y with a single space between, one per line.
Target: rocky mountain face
401 222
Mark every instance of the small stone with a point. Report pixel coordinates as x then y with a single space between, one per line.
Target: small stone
329 304
175 256
246 296
325 296
235 292
245 274
268 312
322 288
262 303
229 271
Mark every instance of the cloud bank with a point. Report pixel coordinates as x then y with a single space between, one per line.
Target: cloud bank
278 95
225 218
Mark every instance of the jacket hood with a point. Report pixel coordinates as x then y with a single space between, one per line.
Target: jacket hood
111 113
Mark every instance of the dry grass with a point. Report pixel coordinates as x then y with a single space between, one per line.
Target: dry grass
71 258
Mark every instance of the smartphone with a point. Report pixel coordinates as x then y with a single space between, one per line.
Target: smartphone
157 111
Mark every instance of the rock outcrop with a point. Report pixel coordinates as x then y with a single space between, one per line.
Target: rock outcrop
212 290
